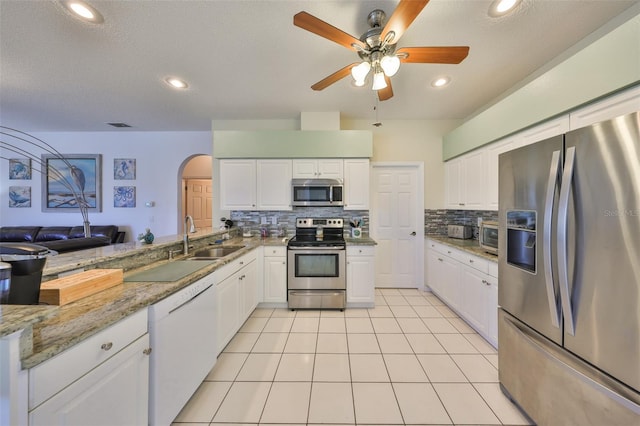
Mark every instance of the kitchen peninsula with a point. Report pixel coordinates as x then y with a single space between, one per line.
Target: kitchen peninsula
34 336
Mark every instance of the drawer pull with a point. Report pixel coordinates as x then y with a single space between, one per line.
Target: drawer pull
470 260
147 351
448 251
440 259
106 346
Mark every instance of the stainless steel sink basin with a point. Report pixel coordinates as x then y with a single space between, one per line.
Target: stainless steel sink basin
215 252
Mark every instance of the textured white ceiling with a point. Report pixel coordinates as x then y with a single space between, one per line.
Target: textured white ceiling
246 60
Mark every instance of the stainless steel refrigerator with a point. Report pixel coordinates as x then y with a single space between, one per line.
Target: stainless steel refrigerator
569 274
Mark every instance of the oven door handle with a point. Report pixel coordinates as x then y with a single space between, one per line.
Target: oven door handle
316 250
315 293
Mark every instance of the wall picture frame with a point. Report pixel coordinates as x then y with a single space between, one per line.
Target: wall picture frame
63 175
20 168
19 196
124 196
124 168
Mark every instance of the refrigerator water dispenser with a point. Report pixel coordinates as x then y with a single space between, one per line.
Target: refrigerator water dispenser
521 239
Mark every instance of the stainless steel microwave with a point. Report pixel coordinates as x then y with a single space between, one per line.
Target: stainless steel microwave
317 192
488 236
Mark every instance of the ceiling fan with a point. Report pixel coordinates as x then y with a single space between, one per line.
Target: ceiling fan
377 47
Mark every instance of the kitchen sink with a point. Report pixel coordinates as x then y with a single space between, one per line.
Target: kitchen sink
215 252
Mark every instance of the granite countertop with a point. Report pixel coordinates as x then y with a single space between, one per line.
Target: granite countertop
49 330
363 241
470 246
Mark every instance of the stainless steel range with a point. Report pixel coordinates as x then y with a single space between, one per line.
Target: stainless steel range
316 260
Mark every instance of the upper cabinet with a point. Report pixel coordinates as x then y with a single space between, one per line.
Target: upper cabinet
356 184
464 180
614 106
255 184
324 168
238 184
274 184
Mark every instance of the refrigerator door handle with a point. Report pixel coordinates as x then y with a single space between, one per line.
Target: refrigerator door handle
563 218
552 184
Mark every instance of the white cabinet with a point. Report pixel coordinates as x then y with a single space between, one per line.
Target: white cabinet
491 162
238 184
115 392
543 131
273 184
360 276
323 168
611 107
275 274
465 182
237 286
255 184
466 283
103 380
356 184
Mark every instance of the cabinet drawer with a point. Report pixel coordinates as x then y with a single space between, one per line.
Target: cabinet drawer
360 251
234 266
475 262
439 247
270 251
48 378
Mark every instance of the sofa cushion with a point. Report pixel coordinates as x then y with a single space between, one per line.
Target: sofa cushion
50 233
110 231
19 233
72 244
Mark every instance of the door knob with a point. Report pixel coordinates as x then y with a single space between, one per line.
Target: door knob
413 233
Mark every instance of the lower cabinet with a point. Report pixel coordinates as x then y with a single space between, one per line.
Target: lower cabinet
275 275
237 287
360 276
79 387
466 283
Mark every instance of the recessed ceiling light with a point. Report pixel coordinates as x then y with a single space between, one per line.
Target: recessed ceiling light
176 83
83 10
502 7
441 81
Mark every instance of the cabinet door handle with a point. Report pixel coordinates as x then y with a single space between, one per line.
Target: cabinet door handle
106 346
448 251
440 259
147 351
461 204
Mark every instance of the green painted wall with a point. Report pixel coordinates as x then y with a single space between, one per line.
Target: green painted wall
292 144
607 65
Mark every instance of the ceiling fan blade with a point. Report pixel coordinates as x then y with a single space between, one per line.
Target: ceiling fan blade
338 75
387 92
402 17
433 55
317 26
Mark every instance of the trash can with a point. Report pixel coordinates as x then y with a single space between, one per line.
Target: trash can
27 262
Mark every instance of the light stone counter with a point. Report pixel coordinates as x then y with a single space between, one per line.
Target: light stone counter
50 330
470 246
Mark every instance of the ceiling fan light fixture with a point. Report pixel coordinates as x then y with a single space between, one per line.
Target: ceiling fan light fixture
502 7
390 65
83 11
379 82
360 72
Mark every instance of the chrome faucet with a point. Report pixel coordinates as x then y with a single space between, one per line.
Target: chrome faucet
185 237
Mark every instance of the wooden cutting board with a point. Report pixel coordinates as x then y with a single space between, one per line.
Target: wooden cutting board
73 287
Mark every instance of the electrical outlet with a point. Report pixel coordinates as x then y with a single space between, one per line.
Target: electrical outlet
263 220
479 221
274 220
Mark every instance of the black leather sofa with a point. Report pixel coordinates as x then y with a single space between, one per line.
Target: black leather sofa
63 238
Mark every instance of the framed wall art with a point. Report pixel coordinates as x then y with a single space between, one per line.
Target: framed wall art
124 196
20 168
70 180
124 168
19 196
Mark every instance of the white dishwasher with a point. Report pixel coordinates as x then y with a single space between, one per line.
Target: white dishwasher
182 332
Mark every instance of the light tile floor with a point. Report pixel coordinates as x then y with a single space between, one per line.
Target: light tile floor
410 360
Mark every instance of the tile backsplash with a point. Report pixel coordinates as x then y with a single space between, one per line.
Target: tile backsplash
436 221
286 220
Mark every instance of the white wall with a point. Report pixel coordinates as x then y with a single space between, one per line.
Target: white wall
412 140
159 158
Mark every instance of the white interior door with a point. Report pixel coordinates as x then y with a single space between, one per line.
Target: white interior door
199 202
397 217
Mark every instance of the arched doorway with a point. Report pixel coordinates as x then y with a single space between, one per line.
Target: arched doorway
196 192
